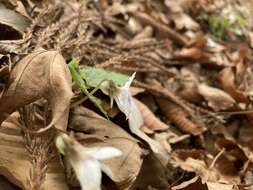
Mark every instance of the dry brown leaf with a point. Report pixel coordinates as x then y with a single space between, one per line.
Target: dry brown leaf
193 184
236 150
178 15
165 138
188 89
12 24
197 184
200 41
146 178
97 131
6 185
20 8
216 98
15 161
192 54
250 37
180 5
42 74
174 36
197 166
150 120
183 21
177 116
222 168
191 95
118 8
227 78
220 186
147 32
134 26
4 71
214 47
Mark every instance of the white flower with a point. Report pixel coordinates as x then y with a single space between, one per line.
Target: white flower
121 95
85 161
126 104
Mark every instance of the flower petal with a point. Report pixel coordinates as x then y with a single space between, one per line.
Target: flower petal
123 97
101 153
89 174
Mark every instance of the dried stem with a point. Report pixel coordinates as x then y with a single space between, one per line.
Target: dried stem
38 146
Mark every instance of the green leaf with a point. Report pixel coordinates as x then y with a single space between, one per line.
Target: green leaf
95 76
218 25
75 72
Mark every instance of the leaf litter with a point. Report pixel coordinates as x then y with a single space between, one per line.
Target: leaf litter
126 94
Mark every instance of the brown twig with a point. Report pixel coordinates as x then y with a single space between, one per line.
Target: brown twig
166 94
174 36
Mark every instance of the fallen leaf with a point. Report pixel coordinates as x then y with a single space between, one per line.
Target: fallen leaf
135 122
118 8
189 90
147 32
134 26
20 8
6 185
183 21
12 21
196 183
192 54
178 117
146 178
192 184
213 46
42 74
227 78
150 120
250 37
220 186
197 166
94 130
179 16
216 98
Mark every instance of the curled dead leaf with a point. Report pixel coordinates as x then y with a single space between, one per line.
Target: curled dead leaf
150 120
232 160
192 184
189 90
191 95
42 74
216 98
195 165
192 54
177 116
197 183
184 21
220 186
12 24
147 32
227 78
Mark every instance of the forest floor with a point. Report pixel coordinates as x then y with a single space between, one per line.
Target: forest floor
124 94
